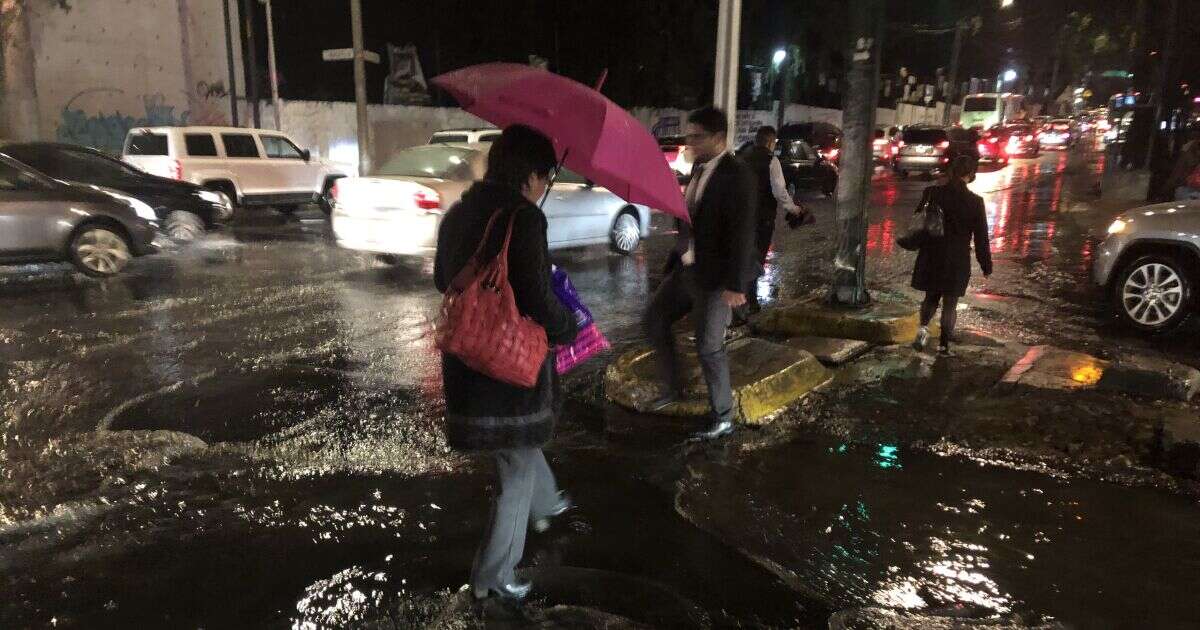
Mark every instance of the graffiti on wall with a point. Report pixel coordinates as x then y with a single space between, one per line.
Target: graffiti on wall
106 131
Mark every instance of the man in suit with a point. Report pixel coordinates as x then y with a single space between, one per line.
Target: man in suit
772 196
716 261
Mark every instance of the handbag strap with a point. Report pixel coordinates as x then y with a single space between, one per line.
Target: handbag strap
473 266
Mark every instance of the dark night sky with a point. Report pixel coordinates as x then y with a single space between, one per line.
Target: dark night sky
658 52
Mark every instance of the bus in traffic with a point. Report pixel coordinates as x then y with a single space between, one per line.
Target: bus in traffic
988 110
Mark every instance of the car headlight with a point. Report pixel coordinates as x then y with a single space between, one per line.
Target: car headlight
1117 227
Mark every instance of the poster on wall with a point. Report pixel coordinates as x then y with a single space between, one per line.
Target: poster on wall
405 83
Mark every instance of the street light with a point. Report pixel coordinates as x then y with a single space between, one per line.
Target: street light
779 57
1004 4
1010 75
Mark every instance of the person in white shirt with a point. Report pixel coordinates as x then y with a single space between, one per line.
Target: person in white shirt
772 196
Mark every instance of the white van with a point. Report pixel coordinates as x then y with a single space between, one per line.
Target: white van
253 167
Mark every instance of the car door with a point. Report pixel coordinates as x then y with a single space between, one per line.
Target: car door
286 161
576 211
26 211
244 157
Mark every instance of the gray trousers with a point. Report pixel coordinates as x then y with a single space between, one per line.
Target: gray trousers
527 492
681 295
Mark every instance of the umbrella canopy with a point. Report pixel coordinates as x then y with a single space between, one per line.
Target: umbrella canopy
600 140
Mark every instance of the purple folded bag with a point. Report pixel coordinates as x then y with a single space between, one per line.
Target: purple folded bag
590 341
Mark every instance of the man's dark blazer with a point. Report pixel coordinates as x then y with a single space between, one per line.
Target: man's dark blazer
722 226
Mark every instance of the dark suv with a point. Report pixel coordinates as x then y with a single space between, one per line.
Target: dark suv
184 209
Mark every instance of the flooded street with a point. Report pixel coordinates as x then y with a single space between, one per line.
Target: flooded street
245 432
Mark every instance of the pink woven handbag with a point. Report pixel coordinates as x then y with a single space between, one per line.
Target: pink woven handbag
480 323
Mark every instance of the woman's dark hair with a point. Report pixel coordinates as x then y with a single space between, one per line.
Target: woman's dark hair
711 119
963 166
519 152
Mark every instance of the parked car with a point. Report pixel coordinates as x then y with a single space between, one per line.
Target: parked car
465 136
922 149
253 167
993 147
1150 263
881 147
46 220
185 210
1020 140
1058 134
805 168
396 211
824 138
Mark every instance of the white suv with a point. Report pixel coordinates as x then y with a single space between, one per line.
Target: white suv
253 167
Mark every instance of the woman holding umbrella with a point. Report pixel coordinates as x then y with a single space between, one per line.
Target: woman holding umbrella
484 414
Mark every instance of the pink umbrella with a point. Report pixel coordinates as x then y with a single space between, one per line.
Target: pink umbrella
600 140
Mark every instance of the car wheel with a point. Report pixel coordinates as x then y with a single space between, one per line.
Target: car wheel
830 186
1153 294
99 251
626 233
325 201
184 226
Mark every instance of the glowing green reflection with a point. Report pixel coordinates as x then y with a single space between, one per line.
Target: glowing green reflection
888 456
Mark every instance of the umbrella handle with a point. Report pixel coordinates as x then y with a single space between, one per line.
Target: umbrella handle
553 178
602 79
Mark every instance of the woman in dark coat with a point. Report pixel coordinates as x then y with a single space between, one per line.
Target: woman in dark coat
484 414
943 266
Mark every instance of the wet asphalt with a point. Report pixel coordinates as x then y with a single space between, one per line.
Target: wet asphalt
244 432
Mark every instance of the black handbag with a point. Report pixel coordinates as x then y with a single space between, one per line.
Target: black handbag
928 224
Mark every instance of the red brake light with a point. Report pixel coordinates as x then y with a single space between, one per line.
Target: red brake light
900 144
944 144
333 192
427 200
1028 138
176 171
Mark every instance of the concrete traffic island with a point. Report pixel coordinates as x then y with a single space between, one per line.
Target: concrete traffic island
880 323
767 377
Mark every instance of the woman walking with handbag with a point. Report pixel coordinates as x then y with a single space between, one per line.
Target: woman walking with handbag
943 267
497 228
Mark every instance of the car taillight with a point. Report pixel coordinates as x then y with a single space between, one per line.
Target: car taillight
1029 138
333 192
830 154
900 144
176 170
993 140
983 148
944 144
427 200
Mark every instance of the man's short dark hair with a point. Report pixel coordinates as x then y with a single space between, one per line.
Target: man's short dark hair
711 119
765 134
519 152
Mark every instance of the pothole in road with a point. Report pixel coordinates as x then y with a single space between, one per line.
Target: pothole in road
237 406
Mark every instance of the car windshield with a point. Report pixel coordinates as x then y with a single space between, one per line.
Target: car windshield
441 162
980 104
925 136
448 138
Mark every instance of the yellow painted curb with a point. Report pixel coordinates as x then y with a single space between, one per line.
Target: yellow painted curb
881 323
767 377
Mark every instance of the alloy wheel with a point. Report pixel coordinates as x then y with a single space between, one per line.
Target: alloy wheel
102 251
626 233
1153 294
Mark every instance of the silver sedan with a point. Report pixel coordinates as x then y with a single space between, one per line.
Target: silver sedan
46 220
396 211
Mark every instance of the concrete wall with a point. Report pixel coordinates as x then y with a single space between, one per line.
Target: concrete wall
107 65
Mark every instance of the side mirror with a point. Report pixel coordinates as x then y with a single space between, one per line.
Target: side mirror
306 154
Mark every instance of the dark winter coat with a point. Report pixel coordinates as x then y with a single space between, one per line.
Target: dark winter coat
944 265
483 413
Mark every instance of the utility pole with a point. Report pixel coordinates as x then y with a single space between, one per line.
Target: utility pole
725 77
275 104
233 105
952 90
854 184
360 87
250 49
1160 164
1058 58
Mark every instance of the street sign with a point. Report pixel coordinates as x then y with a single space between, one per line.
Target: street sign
347 54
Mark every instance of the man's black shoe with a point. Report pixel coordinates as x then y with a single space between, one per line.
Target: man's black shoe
718 429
